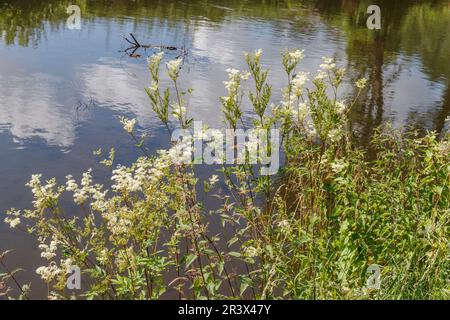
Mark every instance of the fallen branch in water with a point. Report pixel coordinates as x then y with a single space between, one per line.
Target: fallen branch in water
136 45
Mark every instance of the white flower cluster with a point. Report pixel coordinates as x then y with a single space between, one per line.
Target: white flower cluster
179 110
291 60
117 221
252 146
173 68
128 180
48 273
296 56
156 171
213 180
66 264
181 152
303 110
340 107
128 124
155 60
258 54
253 59
234 81
87 191
335 134
251 252
328 64
103 257
49 251
134 179
361 83
293 101
125 180
13 218
153 87
298 83
321 75
43 193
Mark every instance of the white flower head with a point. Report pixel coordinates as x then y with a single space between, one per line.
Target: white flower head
340 107
234 81
291 59
213 180
335 134
49 251
245 75
361 83
328 60
155 59
13 218
67 265
48 273
154 86
173 68
258 53
128 124
179 111
181 152
328 63
303 111
250 252
43 192
13 222
125 180
299 82
232 72
296 55
320 75
103 256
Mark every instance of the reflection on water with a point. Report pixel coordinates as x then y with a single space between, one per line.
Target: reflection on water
406 62
48 71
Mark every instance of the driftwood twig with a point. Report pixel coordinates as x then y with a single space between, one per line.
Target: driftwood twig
136 45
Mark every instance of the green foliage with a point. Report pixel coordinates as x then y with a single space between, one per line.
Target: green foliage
310 233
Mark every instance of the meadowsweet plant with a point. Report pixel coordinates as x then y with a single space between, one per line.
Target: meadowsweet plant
313 231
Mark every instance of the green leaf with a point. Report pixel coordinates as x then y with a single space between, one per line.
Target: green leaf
190 258
234 254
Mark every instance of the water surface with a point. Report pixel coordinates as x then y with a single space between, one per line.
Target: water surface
62 90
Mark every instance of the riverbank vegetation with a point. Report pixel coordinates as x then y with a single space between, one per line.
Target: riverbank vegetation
333 212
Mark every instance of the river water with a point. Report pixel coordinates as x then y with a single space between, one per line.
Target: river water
62 90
